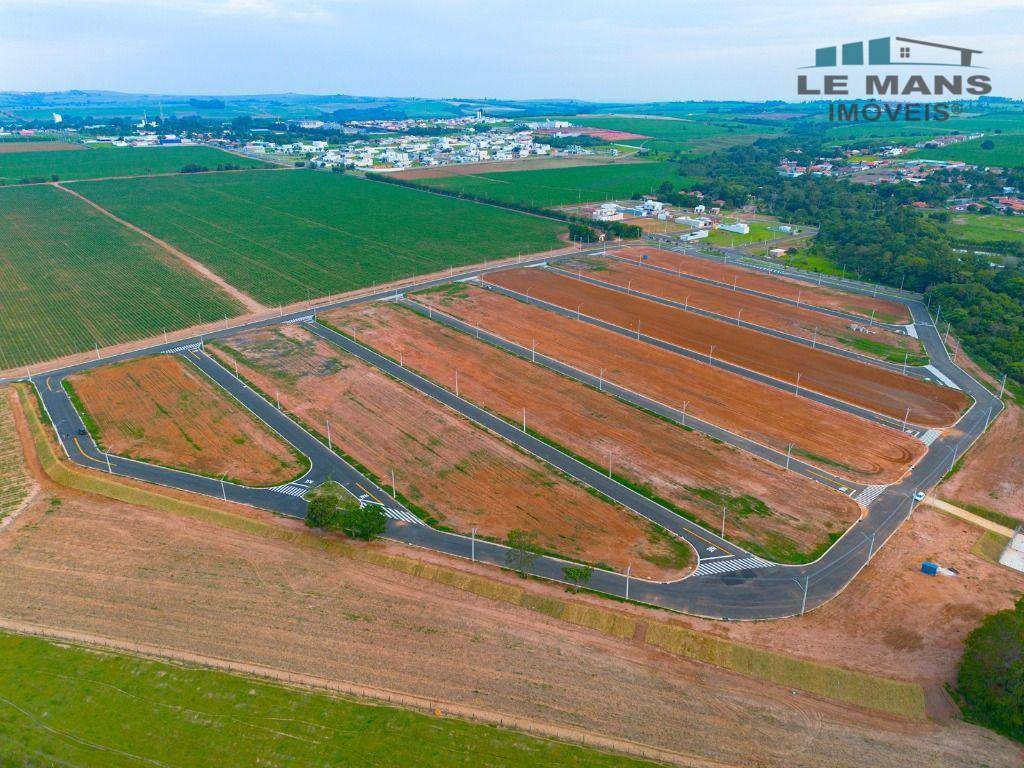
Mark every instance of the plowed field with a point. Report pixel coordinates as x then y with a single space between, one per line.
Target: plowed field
862 384
160 409
836 441
445 465
885 310
779 316
773 512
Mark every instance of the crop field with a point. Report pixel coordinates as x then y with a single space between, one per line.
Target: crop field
74 279
14 480
111 161
556 187
1007 152
809 324
774 513
838 442
669 135
884 310
15 147
293 235
74 706
446 467
868 386
162 410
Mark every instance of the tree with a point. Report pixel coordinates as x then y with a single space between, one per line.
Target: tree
522 550
578 575
332 508
991 676
366 523
988 144
582 234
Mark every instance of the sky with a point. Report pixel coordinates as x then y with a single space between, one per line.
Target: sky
656 50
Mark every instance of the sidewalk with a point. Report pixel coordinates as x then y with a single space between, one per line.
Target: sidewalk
968 517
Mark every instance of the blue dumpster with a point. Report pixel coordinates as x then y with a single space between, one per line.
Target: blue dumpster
930 568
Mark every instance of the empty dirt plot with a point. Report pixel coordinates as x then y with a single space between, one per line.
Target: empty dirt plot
816 327
886 311
16 147
838 442
161 410
862 384
991 478
771 512
446 467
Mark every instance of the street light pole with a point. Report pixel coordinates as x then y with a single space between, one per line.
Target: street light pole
628 569
472 546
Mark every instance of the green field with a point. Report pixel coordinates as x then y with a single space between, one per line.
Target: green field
93 163
981 230
759 230
1008 151
72 278
554 187
69 706
293 235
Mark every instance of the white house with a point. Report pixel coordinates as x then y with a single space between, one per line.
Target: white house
698 223
695 234
738 227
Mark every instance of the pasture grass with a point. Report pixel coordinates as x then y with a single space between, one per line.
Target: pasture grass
76 706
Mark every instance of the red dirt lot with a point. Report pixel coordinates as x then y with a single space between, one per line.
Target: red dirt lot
833 440
885 310
674 463
806 323
992 477
457 472
161 410
850 381
606 134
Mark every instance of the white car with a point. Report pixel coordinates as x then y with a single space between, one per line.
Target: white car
919 496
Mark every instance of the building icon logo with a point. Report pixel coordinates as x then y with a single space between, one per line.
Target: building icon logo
894 51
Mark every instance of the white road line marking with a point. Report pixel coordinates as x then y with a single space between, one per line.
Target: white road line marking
290 490
941 376
707 568
869 494
930 436
183 348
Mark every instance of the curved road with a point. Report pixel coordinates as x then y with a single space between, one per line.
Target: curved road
729 582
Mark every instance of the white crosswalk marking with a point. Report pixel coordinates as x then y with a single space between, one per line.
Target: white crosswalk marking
930 436
303 319
290 490
708 567
401 514
869 494
183 348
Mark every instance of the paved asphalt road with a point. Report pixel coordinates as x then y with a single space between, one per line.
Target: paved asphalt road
729 582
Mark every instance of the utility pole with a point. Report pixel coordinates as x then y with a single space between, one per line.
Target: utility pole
394 492
628 569
803 603
798 383
789 454
906 418
330 445
472 545
223 490
723 520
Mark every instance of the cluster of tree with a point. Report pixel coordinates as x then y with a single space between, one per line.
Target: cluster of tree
561 142
194 168
991 677
876 233
581 233
614 228
331 508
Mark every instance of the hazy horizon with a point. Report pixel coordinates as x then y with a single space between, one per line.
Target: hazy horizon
592 51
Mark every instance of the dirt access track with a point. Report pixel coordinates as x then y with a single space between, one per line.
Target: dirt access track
774 512
443 464
850 381
779 316
886 311
161 410
831 439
